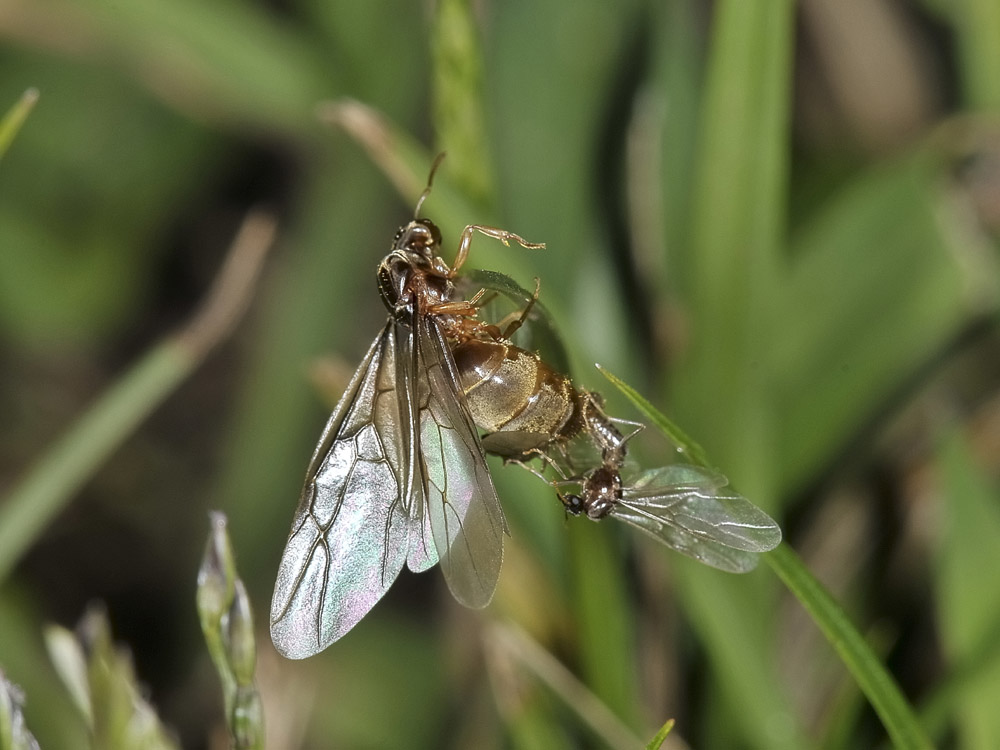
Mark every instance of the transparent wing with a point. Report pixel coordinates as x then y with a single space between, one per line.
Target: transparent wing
349 534
687 509
465 516
677 477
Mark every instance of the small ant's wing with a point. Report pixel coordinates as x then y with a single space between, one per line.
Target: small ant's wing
686 508
704 550
677 477
466 520
349 532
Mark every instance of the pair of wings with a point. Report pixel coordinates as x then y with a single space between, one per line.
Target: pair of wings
688 509
398 476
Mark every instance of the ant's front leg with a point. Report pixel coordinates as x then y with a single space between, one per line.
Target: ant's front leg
498 234
461 321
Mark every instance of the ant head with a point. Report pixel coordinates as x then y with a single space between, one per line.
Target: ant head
420 236
573 504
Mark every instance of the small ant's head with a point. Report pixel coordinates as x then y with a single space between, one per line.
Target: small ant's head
573 504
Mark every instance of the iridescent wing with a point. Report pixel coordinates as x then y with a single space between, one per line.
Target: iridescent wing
688 509
460 501
349 535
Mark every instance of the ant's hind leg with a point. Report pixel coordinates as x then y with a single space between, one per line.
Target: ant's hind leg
545 459
637 427
509 326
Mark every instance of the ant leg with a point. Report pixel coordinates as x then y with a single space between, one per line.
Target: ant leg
637 427
571 502
461 321
545 459
468 307
499 234
529 469
506 326
461 307
480 299
511 327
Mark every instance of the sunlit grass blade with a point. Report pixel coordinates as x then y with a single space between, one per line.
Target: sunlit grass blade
738 207
400 157
691 451
51 483
657 742
714 602
459 121
15 117
71 664
876 682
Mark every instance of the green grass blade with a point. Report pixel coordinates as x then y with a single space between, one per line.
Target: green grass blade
714 602
737 234
604 618
883 276
878 685
592 712
459 120
691 451
977 28
15 117
52 482
967 598
406 163
657 742
71 460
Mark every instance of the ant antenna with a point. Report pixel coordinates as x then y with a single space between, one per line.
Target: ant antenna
430 179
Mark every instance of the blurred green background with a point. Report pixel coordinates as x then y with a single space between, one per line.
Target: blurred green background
778 221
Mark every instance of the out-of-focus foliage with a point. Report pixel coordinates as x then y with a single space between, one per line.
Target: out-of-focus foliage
778 221
102 681
13 733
